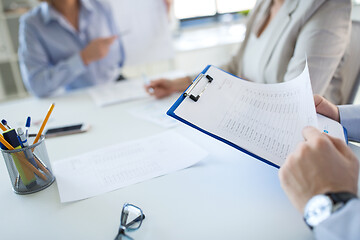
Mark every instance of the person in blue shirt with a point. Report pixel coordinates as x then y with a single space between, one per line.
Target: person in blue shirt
321 176
68 44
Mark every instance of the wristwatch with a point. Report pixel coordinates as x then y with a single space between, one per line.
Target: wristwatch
320 207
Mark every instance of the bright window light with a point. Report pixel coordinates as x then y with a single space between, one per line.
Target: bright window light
194 8
226 6
200 8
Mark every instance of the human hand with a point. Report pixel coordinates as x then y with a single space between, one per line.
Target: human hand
161 88
97 49
319 165
326 108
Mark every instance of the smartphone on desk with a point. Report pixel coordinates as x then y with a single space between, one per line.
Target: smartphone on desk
66 130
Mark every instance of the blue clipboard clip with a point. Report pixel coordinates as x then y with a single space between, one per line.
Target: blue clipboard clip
193 85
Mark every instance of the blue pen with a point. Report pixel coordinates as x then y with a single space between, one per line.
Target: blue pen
28 153
27 125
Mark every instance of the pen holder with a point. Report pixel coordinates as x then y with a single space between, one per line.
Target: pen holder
29 167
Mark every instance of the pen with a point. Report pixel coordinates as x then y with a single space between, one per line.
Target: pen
24 143
147 82
27 125
44 123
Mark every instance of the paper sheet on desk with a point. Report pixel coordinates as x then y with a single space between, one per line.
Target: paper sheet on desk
124 164
154 111
126 90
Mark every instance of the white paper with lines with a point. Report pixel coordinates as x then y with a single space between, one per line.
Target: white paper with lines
121 165
264 119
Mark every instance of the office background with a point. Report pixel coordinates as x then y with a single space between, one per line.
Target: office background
221 21
243 193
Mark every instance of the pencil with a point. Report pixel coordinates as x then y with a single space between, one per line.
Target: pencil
2 127
44 123
5 143
22 159
41 165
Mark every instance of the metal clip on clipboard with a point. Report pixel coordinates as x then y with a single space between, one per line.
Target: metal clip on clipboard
193 85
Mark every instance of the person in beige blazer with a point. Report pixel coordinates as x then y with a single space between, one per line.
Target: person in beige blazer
280 35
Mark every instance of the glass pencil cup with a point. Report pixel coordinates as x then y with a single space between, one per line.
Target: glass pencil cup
29 167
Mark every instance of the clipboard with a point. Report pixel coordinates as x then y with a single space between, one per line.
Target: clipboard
205 80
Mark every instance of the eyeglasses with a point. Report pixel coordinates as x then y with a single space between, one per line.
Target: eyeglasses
131 219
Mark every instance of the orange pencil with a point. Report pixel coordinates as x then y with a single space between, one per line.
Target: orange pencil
41 166
44 123
2 127
22 158
5 143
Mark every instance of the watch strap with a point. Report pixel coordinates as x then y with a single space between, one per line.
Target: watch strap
341 197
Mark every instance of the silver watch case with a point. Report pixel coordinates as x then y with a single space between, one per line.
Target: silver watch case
318 209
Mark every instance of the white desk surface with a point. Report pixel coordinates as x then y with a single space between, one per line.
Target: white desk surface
229 195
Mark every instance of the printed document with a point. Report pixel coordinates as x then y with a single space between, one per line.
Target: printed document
264 119
124 164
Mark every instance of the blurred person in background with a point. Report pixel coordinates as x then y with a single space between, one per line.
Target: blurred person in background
280 36
68 44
